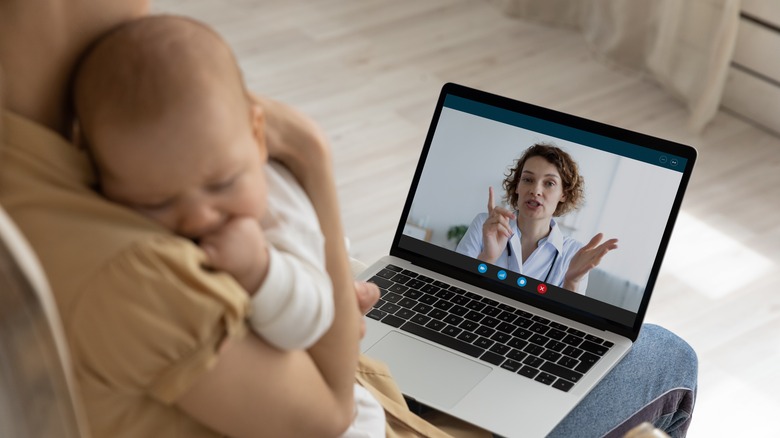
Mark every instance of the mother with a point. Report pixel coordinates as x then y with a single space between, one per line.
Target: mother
159 345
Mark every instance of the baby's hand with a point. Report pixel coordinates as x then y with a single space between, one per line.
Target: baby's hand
240 249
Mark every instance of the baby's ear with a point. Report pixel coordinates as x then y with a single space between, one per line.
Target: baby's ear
257 119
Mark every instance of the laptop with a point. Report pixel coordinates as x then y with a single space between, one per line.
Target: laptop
511 349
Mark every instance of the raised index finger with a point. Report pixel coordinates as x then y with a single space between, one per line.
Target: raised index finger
491 204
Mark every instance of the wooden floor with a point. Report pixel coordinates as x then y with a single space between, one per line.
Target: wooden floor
370 71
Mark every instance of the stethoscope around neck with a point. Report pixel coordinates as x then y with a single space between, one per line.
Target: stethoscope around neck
549 270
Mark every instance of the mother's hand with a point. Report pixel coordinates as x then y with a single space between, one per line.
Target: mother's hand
292 137
587 258
496 230
367 295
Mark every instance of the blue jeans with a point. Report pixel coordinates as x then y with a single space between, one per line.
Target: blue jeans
655 382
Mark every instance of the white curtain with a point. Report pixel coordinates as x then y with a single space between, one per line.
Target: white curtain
685 45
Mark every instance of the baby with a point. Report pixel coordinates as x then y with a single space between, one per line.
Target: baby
174 135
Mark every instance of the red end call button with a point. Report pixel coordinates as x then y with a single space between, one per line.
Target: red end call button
542 288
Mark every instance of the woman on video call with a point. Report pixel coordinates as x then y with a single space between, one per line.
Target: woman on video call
545 182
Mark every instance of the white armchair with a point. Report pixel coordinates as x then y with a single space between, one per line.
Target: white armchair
36 397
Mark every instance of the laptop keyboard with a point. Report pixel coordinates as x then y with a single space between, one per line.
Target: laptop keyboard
515 340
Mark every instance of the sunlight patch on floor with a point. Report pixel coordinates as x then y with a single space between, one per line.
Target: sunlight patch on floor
709 261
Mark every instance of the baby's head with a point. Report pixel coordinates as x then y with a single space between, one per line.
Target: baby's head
164 112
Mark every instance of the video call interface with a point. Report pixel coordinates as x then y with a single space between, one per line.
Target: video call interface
628 195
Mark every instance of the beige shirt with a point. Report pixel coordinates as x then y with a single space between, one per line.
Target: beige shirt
142 318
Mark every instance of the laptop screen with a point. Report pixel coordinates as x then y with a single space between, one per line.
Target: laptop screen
581 212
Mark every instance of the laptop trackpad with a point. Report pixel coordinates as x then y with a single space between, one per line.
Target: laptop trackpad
428 373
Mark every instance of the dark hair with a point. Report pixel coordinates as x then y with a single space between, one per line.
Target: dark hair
573 183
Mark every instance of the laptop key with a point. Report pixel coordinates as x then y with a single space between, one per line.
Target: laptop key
511 365
460 300
500 349
424 278
490 321
483 343
390 307
474 316
598 350
533 349
572 340
572 352
469 325
493 358
459 310
445 294
467 337
517 343
428 299
491 311
550 355
453 319
420 319
489 301
438 314
405 314
545 378
398 288
563 385
533 361
555 346
435 325
394 268
393 320
501 337
484 331
442 339
594 339
381 282
561 372
391 297
452 331
413 294
400 278
417 284
429 288
409 273
407 303
586 362
529 372
444 305
556 334
538 318
516 355
568 362
506 327
376 314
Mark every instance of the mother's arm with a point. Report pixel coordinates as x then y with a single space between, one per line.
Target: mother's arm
255 389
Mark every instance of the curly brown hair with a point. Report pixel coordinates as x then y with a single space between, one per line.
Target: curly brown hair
573 183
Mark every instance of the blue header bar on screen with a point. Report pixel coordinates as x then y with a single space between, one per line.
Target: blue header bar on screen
596 141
